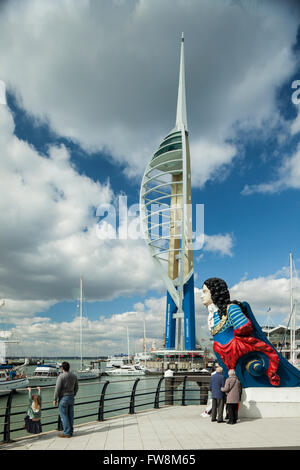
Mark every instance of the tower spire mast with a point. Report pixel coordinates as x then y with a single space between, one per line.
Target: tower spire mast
181 119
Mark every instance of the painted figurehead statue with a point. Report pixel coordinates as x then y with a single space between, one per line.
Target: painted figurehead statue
234 334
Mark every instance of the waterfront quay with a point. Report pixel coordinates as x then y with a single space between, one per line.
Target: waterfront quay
172 428
142 414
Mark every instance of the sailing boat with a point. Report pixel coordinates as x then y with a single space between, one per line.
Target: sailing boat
11 378
127 369
84 373
143 356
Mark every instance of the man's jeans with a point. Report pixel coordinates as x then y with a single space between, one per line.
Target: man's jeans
66 411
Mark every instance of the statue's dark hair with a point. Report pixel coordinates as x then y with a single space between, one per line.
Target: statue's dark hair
220 295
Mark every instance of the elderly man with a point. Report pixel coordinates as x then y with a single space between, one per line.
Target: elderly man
217 381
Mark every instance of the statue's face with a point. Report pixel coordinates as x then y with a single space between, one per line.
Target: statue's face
205 296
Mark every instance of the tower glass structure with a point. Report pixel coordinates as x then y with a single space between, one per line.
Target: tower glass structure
166 216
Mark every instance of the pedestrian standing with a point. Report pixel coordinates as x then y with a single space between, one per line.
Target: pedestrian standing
33 415
217 381
64 394
233 390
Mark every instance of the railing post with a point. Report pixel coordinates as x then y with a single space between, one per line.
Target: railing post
101 402
183 391
156 401
132 398
169 390
6 434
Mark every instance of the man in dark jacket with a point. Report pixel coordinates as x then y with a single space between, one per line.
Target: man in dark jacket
217 381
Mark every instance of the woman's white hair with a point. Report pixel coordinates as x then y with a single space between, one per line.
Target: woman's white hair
231 372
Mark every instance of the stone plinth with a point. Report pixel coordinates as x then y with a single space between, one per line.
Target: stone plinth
269 402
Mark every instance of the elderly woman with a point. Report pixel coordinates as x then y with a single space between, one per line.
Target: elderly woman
232 330
233 390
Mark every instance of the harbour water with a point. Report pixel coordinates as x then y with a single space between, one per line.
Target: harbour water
117 396
89 390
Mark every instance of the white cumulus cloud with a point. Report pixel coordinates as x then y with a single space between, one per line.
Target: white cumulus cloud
109 80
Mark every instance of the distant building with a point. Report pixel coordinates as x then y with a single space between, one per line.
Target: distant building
280 337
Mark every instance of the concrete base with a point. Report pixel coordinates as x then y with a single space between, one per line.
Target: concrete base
267 402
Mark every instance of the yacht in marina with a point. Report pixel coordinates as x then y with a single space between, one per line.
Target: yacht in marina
126 369
45 374
95 367
119 366
87 373
114 362
11 379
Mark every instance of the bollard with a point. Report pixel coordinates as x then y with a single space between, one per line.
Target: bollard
169 389
183 391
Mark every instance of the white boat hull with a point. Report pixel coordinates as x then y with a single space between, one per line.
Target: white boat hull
119 372
86 375
41 381
7 385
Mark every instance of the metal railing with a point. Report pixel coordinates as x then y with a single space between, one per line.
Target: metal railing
104 403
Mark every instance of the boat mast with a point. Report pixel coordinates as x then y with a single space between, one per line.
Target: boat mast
293 319
81 365
145 343
127 345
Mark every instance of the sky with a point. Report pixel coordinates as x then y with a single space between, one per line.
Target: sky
90 92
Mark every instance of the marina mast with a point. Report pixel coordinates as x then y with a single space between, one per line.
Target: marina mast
293 315
81 361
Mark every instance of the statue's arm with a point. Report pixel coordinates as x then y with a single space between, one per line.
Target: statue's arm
242 326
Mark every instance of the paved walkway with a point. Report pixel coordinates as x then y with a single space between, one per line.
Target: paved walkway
170 428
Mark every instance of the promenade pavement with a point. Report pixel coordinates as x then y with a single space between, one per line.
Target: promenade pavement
170 428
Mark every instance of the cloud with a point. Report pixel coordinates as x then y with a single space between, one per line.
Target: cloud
287 173
49 232
105 335
220 243
264 292
50 235
18 312
2 93
216 159
264 188
108 335
107 89
295 125
288 176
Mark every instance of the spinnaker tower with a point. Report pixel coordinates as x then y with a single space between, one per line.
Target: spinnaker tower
166 217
